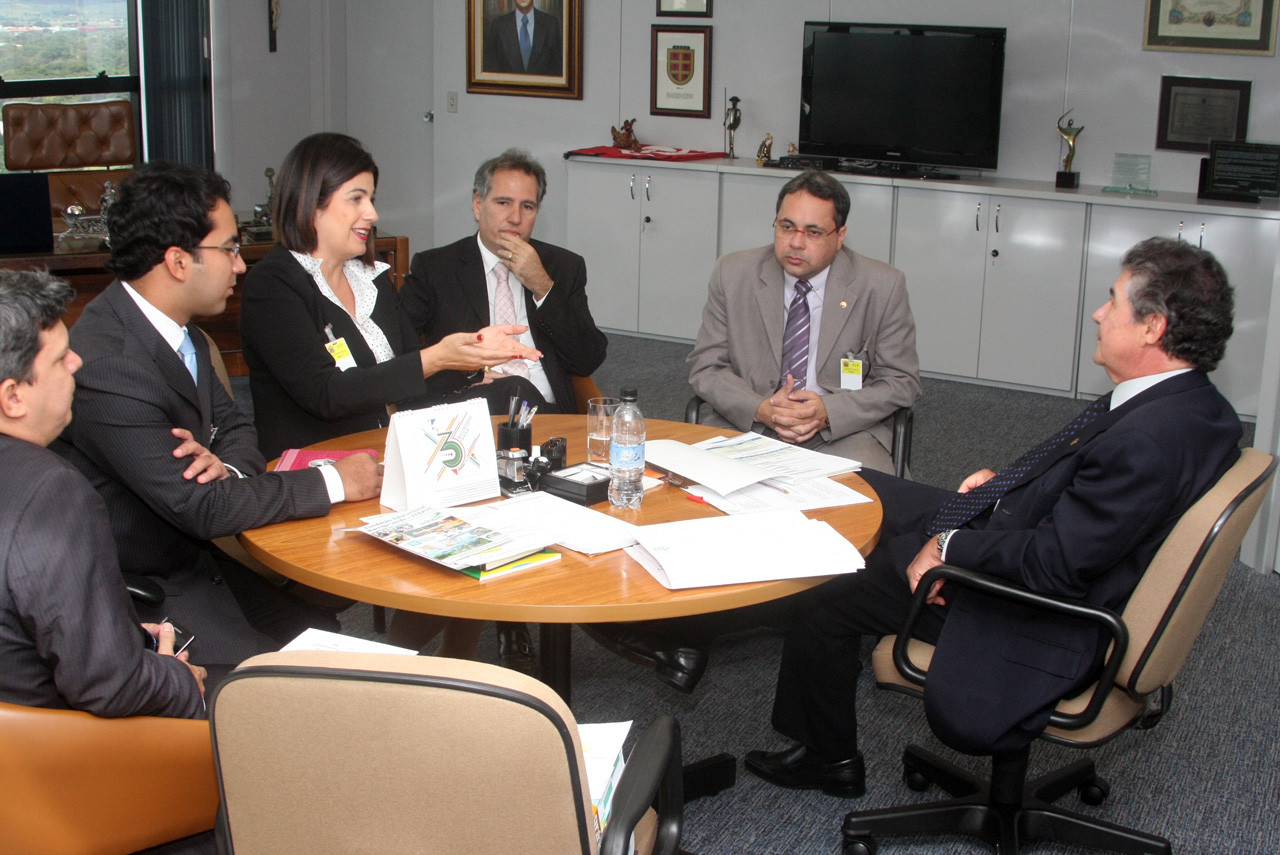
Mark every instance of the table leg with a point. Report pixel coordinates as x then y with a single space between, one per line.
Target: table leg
555 652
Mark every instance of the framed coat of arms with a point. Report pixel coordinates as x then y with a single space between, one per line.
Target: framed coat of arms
680 72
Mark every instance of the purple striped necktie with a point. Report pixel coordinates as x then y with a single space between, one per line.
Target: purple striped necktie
795 338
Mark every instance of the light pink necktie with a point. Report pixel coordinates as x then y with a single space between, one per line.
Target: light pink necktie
504 312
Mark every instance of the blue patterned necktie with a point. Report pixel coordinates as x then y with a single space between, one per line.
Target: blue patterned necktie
963 507
526 44
187 350
795 337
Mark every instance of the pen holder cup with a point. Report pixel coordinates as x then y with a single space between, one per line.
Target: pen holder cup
515 437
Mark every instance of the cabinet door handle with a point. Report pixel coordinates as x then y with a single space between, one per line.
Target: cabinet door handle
997 219
647 179
1179 229
632 187
1202 235
976 215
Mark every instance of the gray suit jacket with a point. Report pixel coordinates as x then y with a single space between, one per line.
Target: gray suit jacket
131 392
68 634
737 359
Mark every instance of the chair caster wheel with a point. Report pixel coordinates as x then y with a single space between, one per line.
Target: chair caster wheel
915 780
859 846
1094 792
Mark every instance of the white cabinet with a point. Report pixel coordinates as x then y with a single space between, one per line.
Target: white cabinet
748 202
994 283
648 235
1246 248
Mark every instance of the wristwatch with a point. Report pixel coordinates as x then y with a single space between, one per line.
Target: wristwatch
943 537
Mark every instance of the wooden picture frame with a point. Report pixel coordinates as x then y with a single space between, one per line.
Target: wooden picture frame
684 8
1197 110
495 63
680 71
1203 26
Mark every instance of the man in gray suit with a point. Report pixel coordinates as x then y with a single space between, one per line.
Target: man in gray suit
825 369
68 635
160 438
804 341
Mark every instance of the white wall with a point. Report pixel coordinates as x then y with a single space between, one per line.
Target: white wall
373 67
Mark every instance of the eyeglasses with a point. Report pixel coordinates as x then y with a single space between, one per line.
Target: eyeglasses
233 250
786 227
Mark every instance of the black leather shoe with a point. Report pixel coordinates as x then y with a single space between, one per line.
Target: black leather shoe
797 768
679 666
515 648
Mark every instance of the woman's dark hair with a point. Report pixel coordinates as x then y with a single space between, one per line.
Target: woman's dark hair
310 175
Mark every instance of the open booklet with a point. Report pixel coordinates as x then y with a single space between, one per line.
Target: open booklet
726 464
731 550
459 538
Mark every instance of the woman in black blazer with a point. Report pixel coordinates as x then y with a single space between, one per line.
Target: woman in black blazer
327 346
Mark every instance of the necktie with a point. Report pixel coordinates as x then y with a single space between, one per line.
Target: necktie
526 44
187 350
504 312
963 507
795 338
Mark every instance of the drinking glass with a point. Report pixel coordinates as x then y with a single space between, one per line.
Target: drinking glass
599 418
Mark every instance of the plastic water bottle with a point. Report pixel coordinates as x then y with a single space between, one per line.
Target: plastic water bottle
626 453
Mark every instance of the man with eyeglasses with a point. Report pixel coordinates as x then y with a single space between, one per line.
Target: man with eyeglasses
805 341
808 341
159 437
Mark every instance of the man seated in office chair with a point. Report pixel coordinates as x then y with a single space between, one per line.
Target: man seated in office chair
1079 516
156 433
69 637
805 341
502 275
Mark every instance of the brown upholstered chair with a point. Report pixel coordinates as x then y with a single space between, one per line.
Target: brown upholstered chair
584 389
1151 640
72 783
323 752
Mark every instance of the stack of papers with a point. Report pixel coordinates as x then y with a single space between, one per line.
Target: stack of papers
731 550
459 538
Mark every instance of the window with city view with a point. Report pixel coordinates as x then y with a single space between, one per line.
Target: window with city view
65 50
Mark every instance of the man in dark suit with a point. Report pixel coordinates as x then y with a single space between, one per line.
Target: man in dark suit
456 287
159 437
502 275
1079 516
69 638
524 41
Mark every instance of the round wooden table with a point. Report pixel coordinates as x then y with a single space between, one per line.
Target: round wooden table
325 553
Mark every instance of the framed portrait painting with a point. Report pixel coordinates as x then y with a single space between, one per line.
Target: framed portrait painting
684 8
1197 110
1211 26
680 71
525 47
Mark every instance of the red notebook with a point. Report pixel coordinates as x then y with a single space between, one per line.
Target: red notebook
301 458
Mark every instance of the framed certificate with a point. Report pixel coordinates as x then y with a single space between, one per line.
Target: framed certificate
1197 110
680 71
1211 26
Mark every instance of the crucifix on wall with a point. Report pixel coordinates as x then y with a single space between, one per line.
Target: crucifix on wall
273 23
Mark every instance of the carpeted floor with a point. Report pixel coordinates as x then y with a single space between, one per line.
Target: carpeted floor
1208 777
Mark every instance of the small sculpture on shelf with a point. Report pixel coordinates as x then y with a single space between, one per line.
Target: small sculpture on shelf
732 120
765 151
626 138
259 230
1069 132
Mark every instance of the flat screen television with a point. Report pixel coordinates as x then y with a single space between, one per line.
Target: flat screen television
902 93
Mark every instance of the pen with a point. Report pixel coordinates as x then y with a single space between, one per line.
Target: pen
328 331
527 419
774 487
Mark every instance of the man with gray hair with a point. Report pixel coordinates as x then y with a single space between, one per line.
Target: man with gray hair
69 637
501 275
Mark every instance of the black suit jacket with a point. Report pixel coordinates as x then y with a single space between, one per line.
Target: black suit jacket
68 633
1084 525
502 46
445 292
299 395
132 390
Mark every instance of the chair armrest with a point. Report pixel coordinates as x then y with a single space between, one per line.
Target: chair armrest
72 782
143 589
986 584
654 772
903 422
691 410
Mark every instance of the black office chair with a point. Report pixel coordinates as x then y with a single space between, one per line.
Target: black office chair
1150 641
903 420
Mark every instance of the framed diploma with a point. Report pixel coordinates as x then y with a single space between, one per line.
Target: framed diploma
684 8
1211 26
1196 110
680 71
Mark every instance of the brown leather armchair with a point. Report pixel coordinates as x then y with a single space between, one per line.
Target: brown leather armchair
72 783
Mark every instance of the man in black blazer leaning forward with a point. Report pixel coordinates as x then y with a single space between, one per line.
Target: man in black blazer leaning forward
1080 516
158 435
